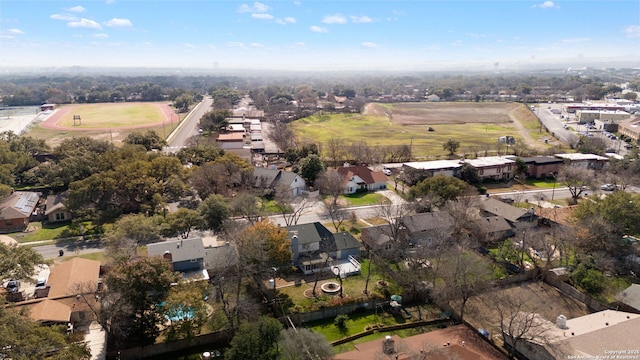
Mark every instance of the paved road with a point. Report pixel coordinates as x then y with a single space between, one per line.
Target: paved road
189 126
69 248
554 123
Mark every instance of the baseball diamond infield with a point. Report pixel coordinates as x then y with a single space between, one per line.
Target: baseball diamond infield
107 116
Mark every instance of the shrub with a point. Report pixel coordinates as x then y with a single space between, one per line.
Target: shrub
341 321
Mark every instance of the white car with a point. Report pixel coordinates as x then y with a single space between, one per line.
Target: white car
386 171
608 187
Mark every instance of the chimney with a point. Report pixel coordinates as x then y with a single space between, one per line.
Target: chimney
388 345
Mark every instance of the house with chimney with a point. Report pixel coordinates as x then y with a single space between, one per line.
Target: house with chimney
361 178
185 255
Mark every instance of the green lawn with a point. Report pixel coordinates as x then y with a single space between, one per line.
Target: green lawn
40 233
364 198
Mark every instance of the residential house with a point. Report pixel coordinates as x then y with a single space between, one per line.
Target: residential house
220 259
629 299
424 229
556 216
587 161
542 166
492 229
16 209
361 178
274 178
55 210
315 249
515 216
413 171
185 255
588 337
74 276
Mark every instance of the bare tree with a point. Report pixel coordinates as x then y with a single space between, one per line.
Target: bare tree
335 150
519 323
577 179
291 207
336 213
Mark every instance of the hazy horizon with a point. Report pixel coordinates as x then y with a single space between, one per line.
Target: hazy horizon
317 35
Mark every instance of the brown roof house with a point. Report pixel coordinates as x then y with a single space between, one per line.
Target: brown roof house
515 216
361 178
15 210
492 229
55 210
72 276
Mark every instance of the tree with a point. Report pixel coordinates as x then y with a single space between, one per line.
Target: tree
304 344
469 174
24 339
519 322
577 179
18 262
186 309
330 183
451 146
291 207
150 140
215 120
183 102
182 222
311 167
139 285
255 341
215 210
248 207
129 232
441 188
272 246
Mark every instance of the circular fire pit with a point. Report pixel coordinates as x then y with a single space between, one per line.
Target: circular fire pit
330 287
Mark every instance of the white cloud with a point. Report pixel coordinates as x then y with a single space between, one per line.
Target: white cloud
547 5
299 44
475 35
64 17
189 45
457 43
84 24
234 44
15 31
318 29
632 31
110 1
263 16
101 36
369 45
119 23
256 45
361 19
334 19
76 9
297 3
576 40
286 20
257 7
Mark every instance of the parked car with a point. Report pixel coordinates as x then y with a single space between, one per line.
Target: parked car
41 283
386 171
608 187
13 286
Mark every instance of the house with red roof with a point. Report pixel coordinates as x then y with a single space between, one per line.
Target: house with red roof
361 178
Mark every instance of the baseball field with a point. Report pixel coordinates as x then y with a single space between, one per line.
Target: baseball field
109 121
427 126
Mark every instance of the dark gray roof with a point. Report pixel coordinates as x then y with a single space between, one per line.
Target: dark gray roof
309 233
542 160
344 241
492 224
271 178
507 211
427 221
181 250
316 232
376 235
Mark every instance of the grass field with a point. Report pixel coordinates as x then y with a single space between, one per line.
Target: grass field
112 115
477 126
118 124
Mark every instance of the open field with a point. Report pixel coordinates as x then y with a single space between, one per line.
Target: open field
106 121
477 126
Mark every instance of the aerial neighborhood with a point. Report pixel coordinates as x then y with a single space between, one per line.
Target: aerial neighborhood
355 217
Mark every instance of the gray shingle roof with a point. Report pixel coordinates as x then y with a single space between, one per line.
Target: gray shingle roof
492 224
427 221
630 296
499 208
181 250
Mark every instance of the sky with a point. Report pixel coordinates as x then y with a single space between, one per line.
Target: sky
314 35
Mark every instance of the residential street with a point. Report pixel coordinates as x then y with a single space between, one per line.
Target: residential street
189 126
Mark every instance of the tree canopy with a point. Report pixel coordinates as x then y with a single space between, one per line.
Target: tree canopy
255 341
441 187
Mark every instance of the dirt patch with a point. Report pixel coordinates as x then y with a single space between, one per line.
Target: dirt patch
481 311
7 240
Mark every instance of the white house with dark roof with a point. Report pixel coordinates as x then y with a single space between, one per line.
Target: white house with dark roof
273 178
